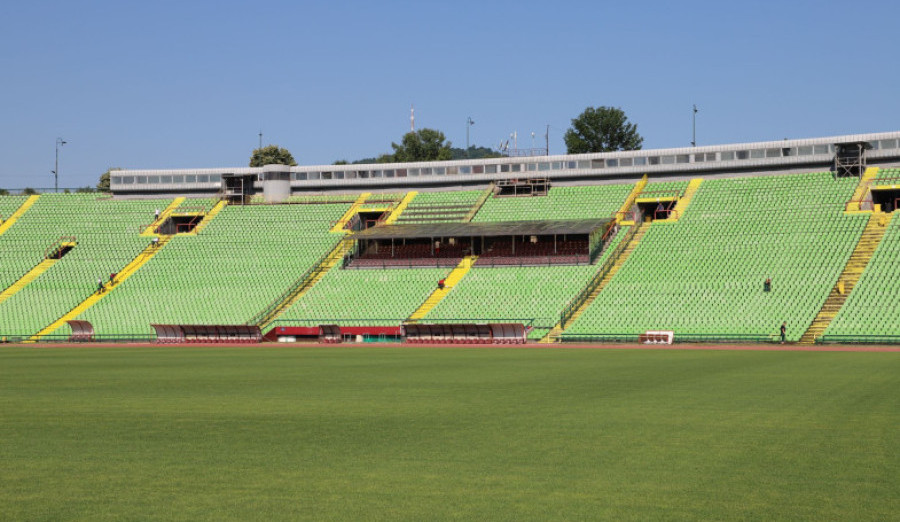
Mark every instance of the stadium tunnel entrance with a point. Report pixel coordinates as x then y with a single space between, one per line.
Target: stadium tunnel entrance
181 223
887 197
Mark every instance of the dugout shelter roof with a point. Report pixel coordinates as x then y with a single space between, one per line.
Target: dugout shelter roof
492 229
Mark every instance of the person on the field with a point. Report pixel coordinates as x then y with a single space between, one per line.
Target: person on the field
156 215
155 241
441 284
767 286
783 331
99 285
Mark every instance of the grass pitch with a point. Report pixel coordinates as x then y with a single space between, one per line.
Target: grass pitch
431 434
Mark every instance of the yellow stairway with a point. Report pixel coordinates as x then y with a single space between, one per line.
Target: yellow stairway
629 201
439 294
151 230
865 181
316 273
485 194
139 261
208 217
27 278
354 208
684 200
400 208
856 265
616 264
17 214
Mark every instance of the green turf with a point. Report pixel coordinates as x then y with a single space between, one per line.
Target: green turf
436 434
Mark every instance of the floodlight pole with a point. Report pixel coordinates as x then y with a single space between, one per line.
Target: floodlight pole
694 132
469 123
59 143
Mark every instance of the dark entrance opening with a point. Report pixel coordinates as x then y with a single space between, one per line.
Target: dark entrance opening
364 220
62 247
656 209
887 198
179 224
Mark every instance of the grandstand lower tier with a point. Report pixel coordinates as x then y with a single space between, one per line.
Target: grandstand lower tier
725 259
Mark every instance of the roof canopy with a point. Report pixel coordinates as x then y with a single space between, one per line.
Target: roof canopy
494 229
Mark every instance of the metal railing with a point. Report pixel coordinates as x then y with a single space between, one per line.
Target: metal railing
678 338
583 296
858 339
266 314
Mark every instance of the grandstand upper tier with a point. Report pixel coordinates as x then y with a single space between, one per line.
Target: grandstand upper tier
279 181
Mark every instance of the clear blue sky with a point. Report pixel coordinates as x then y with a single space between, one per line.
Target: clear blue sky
168 84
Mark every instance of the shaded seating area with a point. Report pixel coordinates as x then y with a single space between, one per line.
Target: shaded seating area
569 242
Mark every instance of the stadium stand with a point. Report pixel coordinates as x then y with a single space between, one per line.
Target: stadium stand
106 233
562 202
433 207
371 297
704 273
233 269
533 295
872 308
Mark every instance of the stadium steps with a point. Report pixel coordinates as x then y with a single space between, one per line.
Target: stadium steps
338 227
629 201
400 208
440 293
140 260
684 201
208 217
163 216
856 265
27 278
17 214
593 289
302 285
865 181
485 194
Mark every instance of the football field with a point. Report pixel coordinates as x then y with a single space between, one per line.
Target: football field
276 433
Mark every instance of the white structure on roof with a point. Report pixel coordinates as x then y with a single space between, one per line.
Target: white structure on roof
881 149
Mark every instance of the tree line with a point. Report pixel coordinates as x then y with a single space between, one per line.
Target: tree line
596 129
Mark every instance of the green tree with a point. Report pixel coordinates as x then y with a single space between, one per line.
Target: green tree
271 155
422 145
474 152
4 192
602 129
29 191
103 185
341 162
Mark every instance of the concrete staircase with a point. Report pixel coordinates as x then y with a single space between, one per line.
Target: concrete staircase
440 293
856 265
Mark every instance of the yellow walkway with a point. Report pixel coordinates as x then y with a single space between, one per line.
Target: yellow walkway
865 181
17 214
856 265
485 194
265 318
439 294
150 230
684 201
27 278
613 265
139 261
208 217
629 201
354 208
400 208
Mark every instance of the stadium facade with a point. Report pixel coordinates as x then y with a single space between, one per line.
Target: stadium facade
721 243
795 155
